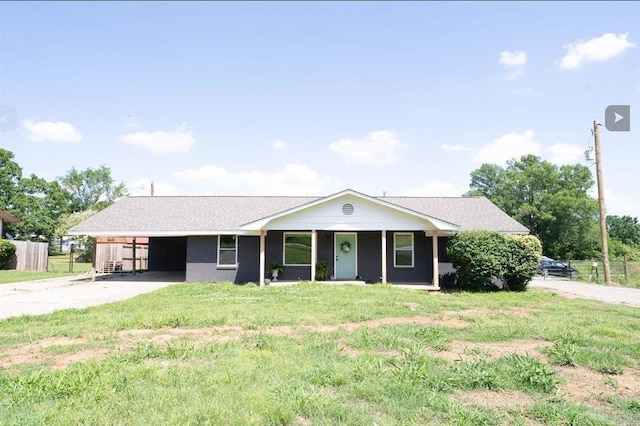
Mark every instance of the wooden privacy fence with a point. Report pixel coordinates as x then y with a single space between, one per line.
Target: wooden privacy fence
114 257
31 256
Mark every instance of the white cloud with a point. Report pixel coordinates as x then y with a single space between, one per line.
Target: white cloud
562 153
454 148
515 62
513 59
279 145
142 186
506 147
161 142
294 179
597 49
377 148
621 205
58 131
435 188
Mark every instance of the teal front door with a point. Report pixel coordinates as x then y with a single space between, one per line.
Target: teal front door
346 249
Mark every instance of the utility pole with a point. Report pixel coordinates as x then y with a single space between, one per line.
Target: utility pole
603 216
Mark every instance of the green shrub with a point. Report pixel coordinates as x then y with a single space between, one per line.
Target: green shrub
520 260
7 251
485 260
476 257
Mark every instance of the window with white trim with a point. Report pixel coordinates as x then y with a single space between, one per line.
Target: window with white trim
403 250
297 248
227 250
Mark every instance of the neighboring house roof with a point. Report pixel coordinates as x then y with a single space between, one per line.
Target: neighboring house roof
9 218
200 215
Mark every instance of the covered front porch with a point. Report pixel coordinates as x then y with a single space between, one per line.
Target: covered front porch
409 286
359 237
399 257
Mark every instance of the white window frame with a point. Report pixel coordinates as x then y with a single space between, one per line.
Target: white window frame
395 249
225 265
284 248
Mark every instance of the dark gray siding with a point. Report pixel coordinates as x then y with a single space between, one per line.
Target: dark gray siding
202 260
274 251
167 253
442 250
422 270
248 259
325 248
200 254
369 256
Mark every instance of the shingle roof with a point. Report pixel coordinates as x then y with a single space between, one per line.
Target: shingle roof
195 214
470 213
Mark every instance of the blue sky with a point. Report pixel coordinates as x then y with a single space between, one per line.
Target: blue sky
289 98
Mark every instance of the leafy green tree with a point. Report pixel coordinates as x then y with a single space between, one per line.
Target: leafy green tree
625 229
91 189
550 200
38 204
33 200
10 175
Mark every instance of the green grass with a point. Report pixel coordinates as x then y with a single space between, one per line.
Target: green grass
58 267
317 354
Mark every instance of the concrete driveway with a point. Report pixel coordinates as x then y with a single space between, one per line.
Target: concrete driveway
608 294
46 296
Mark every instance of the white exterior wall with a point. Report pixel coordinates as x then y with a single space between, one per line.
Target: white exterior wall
367 216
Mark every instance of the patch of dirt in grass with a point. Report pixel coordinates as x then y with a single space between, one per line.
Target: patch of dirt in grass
461 350
36 352
584 386
302 420
495 399
63 360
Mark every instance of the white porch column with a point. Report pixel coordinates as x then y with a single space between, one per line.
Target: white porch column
384 257
262 258
314 253
436 272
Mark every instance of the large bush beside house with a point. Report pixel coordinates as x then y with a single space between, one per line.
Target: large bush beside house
487 260
521 258
7 251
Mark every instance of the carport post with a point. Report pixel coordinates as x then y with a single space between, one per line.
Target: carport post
94 251
134 255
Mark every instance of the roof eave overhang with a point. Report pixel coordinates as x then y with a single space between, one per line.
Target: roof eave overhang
132 233
8 218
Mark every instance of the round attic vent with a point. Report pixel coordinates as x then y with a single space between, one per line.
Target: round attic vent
347 209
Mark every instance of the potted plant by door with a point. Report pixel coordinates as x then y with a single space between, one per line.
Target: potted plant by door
322 270
274 269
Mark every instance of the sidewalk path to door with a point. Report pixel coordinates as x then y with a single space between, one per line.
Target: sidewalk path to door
603 293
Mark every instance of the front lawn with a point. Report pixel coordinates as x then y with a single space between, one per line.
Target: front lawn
318 354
